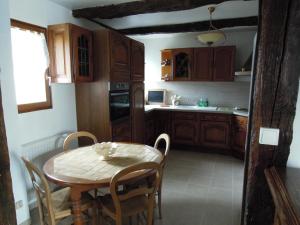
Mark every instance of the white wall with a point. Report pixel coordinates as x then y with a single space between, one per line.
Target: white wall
294 157
28 127
218 93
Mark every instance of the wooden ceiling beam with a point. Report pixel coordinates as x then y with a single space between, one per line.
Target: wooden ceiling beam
192 27
141 7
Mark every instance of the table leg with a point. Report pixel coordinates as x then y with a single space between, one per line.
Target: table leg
76 206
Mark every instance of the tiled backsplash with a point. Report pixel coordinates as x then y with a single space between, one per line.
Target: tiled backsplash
227 94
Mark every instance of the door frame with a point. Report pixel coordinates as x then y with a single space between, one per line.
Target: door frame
7 202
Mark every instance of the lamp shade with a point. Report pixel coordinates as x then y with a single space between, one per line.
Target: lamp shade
211 37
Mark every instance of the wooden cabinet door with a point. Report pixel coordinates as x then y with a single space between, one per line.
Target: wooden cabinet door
137 61
182 63
137 112
59 47
150 128
82 50
184 132
214 134
202 64
163 122
121 131
239 133
224 63
119 57
166 65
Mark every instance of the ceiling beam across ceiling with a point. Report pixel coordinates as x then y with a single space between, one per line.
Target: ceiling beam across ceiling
192 27
141 7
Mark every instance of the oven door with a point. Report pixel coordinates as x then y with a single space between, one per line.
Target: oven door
119 102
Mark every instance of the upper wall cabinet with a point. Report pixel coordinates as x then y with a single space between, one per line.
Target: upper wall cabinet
119 57
203 64
137 61
199 64
166 65
182 63
71 53
224 60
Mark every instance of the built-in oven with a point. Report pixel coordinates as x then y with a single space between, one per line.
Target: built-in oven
119 101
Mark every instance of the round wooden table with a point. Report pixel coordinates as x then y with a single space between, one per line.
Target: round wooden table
83 169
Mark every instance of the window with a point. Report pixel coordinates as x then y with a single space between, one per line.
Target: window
30 65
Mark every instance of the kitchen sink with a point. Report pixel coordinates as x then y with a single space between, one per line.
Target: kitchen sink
195 107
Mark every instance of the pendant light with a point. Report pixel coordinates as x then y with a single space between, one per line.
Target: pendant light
213 35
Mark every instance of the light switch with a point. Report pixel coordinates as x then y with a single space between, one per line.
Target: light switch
268 136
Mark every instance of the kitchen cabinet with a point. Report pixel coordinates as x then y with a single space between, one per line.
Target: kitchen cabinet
214 130
224 61
121 131
137 112
184 128
182 64
163 121
214 134
137 61
150 131
156 123
198 64
112 63
239 134
183 132
203 64
119 57
211 132
71 53
166 65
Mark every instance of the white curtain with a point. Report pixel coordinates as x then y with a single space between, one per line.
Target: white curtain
30 61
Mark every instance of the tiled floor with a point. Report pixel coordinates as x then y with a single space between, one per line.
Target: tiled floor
200 189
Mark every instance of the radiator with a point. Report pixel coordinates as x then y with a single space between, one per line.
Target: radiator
38 152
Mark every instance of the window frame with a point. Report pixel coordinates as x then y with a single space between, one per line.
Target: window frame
30 107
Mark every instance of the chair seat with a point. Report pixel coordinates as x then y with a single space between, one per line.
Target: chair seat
62 205
128 207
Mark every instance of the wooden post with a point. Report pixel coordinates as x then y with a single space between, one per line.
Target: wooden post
7 203
274 100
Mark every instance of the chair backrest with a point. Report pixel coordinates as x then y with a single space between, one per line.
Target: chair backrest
166 138
75 135
42 192
149 190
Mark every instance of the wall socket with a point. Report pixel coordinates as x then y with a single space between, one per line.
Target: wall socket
19 204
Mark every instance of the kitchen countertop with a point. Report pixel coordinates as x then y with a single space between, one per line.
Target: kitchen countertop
188 108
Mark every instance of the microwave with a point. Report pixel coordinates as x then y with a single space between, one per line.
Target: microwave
156 97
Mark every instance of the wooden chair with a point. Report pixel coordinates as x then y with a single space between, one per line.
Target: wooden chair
117 204
55 206
166 138
75 135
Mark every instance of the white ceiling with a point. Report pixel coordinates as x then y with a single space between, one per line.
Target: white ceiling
228 9
78 4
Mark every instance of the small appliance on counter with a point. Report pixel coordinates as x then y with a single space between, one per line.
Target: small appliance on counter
156 97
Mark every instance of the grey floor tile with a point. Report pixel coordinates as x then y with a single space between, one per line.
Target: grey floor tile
198 189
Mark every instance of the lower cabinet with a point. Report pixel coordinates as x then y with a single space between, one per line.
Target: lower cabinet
239 134
162 123
149 128
204 131
215 134
121 131
184 132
